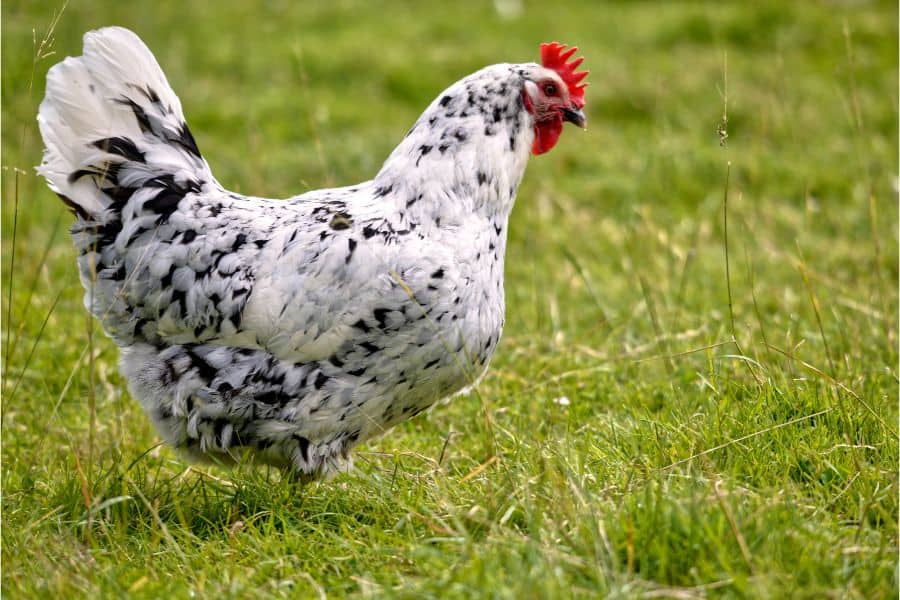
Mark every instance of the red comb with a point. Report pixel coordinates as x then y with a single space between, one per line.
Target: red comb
554 56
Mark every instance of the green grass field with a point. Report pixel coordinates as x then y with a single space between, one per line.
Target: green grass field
658 421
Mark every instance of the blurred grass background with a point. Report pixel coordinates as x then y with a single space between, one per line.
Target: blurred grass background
634 438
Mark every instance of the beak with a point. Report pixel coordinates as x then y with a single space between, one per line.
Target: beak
575 116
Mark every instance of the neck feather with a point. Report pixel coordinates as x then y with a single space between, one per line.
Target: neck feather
468 150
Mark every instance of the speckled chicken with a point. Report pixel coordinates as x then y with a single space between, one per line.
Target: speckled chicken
293 329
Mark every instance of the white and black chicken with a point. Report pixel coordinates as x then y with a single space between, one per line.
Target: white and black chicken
297 329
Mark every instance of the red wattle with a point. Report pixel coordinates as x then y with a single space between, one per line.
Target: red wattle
546 134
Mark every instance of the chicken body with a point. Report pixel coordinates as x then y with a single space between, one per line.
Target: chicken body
293 329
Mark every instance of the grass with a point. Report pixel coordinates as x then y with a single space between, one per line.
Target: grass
668 415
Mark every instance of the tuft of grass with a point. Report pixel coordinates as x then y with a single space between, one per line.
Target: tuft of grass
695 395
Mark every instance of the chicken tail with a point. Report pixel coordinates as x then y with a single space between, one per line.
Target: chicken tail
114 131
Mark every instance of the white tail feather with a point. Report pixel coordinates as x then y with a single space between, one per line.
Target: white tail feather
116 89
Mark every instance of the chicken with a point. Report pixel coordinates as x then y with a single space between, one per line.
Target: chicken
293 330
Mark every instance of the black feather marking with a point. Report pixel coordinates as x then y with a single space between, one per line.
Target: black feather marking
76 175
167 180
351 245
139 113
181 298
120 146
150 93
439 274
105 170
120 196
204 369
165 202
76 209
272 397
381 317
239 241
188 236
186 140
303 443
423 150
108 232
119 274
362 326
321 380
166 280
139 326
383 191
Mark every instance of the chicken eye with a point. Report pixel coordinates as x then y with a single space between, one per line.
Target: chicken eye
550 89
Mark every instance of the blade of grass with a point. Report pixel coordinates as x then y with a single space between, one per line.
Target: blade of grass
744 438
31 289
11 398
12 267
820 373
